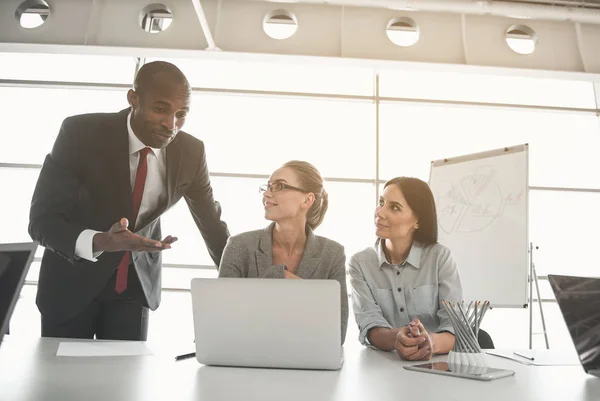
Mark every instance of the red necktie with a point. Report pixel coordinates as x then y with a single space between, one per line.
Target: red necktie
138 191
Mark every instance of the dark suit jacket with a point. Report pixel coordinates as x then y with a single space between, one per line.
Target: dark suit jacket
251 255
85 183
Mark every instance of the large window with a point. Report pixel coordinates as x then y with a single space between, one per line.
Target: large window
37 114
257 134
249 131
68 68
486 88
17 188
349 219
254 116
276 76
565 227
562 146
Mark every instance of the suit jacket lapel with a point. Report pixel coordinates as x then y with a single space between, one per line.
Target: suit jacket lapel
118 154
174 158
173 155
264 253
310 258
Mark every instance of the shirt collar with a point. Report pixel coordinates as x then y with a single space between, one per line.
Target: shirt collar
414 255
135 145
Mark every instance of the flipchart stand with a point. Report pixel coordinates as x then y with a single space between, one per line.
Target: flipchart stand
533 278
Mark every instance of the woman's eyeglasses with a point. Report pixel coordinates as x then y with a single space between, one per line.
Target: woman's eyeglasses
276 187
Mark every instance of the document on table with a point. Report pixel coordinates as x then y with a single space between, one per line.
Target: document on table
103 348
539 357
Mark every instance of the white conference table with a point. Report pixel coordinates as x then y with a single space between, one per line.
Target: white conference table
30 370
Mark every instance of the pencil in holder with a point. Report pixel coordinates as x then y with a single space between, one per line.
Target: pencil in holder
466 323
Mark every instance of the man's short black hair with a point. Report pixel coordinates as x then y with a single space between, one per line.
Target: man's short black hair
145 77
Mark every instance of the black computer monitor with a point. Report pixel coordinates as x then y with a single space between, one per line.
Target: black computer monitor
15 260
579 301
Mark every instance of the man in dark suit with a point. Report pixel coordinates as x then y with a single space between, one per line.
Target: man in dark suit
97 206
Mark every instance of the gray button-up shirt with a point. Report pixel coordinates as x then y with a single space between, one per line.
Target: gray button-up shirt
388 295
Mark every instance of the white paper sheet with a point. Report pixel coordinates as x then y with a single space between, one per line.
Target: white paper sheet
103 348
541 357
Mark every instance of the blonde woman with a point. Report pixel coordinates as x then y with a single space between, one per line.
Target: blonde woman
295 201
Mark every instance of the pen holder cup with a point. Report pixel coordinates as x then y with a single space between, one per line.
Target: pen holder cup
466 321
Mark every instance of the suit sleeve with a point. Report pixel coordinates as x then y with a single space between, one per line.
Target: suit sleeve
230 266
206 211
55 196
339 273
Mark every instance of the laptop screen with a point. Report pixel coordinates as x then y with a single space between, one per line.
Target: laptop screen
579 302
14 265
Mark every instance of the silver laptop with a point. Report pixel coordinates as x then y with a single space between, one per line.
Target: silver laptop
15 260
267 323
579 302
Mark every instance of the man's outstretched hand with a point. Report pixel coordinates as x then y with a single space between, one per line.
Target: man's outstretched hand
119 238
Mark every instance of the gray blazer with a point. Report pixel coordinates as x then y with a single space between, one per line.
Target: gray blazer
250 255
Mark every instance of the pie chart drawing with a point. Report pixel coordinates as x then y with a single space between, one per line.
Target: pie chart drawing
469 204
482 203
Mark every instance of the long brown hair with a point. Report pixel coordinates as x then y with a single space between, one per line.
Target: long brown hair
419 197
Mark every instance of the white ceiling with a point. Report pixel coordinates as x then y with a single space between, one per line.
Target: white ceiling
568 3
459 32
583 11
589 4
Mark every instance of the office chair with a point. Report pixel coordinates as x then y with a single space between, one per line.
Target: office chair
485 340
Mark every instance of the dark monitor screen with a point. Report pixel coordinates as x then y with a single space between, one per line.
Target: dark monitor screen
579 302
14 265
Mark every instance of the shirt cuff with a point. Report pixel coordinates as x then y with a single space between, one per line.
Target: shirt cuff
84 246
364 331
449 329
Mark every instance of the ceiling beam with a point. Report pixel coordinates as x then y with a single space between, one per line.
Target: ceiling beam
524 10
325 30
204 24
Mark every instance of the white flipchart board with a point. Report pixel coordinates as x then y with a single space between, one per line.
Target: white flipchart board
482 206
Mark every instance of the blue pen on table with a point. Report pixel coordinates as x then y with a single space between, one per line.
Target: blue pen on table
524 356
185 356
